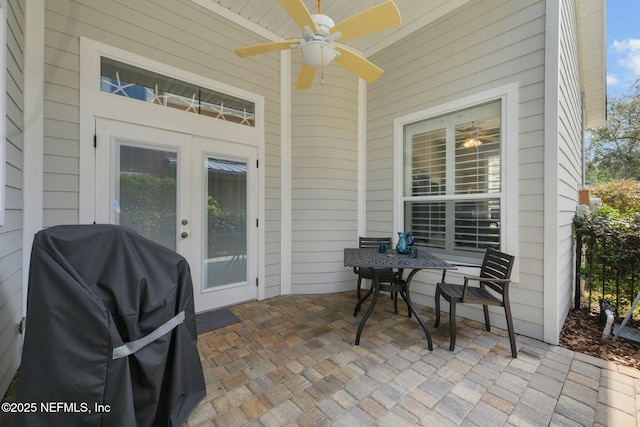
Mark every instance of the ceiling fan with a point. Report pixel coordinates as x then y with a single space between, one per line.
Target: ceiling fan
320 33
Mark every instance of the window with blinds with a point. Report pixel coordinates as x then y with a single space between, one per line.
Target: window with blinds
453 181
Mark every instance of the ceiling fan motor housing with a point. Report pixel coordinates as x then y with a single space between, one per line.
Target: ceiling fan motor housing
324 24
317 51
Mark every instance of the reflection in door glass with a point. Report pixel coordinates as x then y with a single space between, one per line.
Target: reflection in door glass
226 225
146 193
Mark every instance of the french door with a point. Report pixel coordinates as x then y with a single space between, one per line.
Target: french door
195 195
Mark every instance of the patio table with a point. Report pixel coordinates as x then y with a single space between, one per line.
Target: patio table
372 259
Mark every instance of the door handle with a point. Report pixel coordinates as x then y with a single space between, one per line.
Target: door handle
184 235
185 222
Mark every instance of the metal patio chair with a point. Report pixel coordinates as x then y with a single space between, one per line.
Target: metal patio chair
495 273
386 275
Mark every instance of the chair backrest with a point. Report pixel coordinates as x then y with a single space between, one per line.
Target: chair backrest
496 265
374 242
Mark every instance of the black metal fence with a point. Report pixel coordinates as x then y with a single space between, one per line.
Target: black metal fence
607 259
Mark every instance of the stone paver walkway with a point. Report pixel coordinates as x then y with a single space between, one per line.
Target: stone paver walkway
292 361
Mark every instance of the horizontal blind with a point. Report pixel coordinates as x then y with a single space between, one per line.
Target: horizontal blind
462 216
477 156
477 225
428 163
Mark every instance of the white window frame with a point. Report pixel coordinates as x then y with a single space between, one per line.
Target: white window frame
450 124
508 94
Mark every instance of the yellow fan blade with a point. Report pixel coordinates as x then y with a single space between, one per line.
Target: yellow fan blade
358 65
299 13
306 76
265 48
376 18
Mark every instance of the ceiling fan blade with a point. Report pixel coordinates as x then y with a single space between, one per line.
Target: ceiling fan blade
376 18
306 76
299 13
265 48
358 65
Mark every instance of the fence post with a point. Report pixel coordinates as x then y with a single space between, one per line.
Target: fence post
578 268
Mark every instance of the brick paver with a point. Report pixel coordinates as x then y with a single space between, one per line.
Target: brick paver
292 361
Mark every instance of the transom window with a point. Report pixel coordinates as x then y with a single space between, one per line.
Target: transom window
452 181
132 82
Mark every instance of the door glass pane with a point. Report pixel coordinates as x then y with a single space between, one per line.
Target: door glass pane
226 225
146 192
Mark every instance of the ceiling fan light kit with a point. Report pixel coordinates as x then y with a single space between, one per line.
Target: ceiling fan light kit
319 33
473 141
317 53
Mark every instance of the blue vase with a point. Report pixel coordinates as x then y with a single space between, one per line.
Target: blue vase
405 240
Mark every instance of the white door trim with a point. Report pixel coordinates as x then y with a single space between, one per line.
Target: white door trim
32 209
94 103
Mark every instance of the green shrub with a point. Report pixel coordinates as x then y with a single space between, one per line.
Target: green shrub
611 253
621 194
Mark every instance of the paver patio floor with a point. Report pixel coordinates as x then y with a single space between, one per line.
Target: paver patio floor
292 361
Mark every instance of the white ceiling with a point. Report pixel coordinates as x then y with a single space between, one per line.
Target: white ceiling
267 19
272 22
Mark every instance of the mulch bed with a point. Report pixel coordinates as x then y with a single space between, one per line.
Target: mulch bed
582 332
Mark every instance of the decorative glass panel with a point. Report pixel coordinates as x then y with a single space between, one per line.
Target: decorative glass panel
132 82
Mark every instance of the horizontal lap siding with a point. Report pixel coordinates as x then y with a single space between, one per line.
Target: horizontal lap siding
178 33
11 230
569 155
474 48
324 163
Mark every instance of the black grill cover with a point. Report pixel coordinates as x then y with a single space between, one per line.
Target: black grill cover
93 288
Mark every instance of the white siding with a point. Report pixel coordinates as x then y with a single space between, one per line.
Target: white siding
11 230
481 46
569 145
180 34
324 157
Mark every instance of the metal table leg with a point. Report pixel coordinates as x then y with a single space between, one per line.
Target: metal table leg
376 291
405 295
415 312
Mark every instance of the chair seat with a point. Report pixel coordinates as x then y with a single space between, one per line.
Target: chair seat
453 292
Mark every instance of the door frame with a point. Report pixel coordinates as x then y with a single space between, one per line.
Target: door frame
96 104
232 293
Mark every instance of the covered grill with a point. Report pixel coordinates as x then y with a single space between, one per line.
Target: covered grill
110 331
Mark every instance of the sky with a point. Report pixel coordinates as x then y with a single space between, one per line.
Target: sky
623 46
